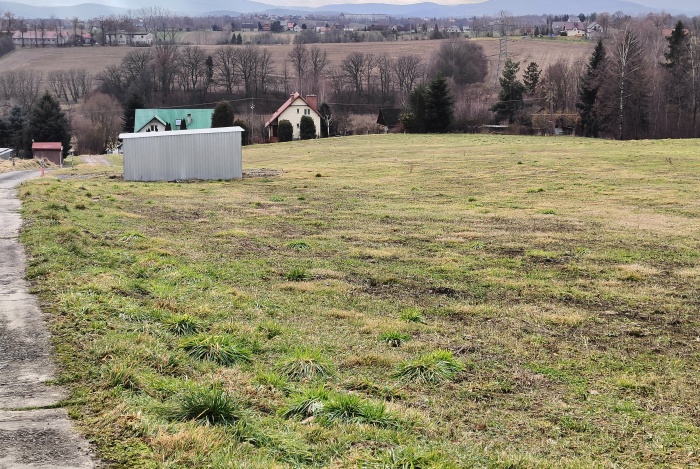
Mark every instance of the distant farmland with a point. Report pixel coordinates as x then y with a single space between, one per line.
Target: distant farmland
96 58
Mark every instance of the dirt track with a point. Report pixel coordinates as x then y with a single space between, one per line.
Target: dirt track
33 434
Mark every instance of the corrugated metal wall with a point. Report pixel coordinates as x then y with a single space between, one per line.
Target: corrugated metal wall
183 154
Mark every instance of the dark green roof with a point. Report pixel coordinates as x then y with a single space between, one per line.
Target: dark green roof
201 118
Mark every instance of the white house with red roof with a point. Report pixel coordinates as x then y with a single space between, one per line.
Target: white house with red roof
293 110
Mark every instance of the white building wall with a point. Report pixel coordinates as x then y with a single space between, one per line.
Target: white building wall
294 113
184 154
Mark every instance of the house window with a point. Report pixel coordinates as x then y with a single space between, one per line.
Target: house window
297 111
297 126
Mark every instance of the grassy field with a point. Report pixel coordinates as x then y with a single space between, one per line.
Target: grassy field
384 301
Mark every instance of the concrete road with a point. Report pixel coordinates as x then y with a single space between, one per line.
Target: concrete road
43 437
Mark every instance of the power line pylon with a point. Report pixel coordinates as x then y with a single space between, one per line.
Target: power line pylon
503 25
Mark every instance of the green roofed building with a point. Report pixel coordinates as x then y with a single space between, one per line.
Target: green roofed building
157 120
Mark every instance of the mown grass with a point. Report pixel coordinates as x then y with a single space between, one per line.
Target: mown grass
552 327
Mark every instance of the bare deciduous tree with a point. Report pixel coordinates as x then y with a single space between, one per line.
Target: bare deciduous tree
407 69
225 67
319 61
299 57
354 65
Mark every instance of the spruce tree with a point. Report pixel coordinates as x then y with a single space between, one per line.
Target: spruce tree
438 106
47 123
129 117
418 97
678 64
510 98
531 78
588 93
15 127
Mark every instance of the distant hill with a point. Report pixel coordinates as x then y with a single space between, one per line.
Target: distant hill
84 10
419 10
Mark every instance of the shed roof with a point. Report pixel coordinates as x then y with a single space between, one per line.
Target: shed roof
181 132
47 146
201 118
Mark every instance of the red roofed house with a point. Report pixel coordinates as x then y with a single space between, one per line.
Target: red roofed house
39 38
292 110
50 151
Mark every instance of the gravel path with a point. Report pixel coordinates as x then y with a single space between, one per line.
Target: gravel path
32 434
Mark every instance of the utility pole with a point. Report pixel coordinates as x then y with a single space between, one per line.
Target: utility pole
252 120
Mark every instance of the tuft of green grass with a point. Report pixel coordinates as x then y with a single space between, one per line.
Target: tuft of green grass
182 324
350 408
412 315
123 375
131 235
549 211
298 245
273 380
305 364
394 338
297 274
431 368
270 329
208 404
218 348
306 403
407 457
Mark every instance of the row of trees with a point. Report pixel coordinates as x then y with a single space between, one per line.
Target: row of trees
634 86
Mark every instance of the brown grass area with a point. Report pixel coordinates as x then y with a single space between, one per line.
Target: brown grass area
20 165
96 58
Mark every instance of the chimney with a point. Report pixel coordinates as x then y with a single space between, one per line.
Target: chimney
312 101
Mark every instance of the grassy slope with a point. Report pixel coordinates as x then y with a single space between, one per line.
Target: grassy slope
561 272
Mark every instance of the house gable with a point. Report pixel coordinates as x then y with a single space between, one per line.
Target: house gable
292 110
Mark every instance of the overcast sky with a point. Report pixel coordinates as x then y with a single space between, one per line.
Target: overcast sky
661 4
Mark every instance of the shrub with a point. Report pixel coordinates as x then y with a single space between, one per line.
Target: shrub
305 364
307 128
219 349
222 115
209 404
247 136
285 131
432 368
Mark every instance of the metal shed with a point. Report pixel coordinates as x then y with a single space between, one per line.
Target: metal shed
183 154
